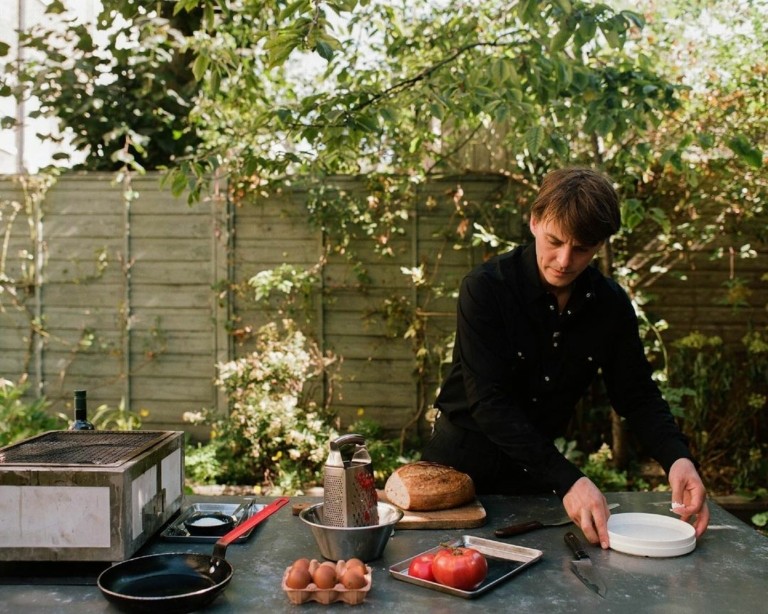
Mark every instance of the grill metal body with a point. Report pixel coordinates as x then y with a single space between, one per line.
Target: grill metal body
87 495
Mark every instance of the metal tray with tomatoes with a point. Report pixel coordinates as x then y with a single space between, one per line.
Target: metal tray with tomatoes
504 561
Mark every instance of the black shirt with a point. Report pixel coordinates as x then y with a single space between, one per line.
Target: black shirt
519 366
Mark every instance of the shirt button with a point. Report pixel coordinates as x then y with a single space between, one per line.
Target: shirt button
534 399
589 295
551 307
589 358
546 378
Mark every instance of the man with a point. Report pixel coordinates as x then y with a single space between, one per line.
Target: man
534 327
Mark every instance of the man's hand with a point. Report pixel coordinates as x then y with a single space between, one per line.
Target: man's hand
689 497
586 506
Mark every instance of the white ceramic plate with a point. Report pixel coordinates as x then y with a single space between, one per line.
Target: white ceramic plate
650 535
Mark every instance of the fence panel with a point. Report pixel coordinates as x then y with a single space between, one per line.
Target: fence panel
136 299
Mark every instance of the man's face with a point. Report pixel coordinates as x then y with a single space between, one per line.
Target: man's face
560 258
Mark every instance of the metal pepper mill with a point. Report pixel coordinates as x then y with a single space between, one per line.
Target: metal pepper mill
349 498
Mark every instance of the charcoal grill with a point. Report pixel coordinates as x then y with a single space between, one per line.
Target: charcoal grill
104 448
87 495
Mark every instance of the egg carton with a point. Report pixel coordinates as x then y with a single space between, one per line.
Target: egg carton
350 596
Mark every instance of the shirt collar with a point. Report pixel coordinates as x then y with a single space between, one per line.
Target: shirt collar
533 290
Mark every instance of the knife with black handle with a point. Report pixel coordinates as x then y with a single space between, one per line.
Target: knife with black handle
532 525
583 568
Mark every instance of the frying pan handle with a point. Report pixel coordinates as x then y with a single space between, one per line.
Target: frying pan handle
221 545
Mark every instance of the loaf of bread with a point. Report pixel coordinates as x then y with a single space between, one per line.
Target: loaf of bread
424 486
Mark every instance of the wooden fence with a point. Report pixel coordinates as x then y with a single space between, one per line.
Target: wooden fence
123 290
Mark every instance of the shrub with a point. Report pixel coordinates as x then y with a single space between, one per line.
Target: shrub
385 452
20 419
723 408
276 433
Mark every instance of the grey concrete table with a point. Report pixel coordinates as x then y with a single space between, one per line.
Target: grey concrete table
727 572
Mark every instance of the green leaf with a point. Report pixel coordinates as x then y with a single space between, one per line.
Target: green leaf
292 8
281 46
561 38
4 49
500 70
580 78
324 50
706 140
436 110
200 66
632 213
215 80
666 156
612 36
527 10
564 73
560 145
368 123
389 115
586 30
210 17
179 183
659 216
591 122
55 8
284 115
636 18
185 5
534 137
743 148
605 125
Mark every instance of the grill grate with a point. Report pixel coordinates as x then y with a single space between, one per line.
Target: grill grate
103 448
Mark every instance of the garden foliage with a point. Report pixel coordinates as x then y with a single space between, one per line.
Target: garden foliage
277 434
668 98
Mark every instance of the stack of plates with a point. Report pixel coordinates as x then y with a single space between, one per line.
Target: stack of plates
650 535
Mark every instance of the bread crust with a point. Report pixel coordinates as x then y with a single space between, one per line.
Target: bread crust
423 486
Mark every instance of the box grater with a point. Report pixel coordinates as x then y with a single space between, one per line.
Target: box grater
87 495
349 489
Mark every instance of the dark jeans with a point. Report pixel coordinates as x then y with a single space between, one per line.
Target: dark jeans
474 454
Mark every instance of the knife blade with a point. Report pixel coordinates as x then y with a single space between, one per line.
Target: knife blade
531 525
583 568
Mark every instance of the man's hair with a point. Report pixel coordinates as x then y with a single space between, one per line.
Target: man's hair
582 201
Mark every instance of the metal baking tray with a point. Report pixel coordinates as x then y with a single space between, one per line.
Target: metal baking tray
177 532
504 561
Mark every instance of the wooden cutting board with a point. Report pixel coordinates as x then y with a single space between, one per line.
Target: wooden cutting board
469 516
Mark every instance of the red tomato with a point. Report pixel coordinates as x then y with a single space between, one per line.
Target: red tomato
421 567
462 568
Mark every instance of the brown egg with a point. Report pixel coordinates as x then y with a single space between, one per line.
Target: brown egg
325 576
300 564
356 564
313 565
298 577
341 565
353 579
